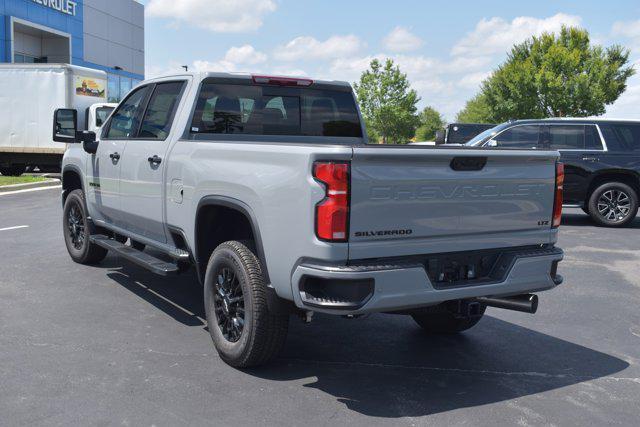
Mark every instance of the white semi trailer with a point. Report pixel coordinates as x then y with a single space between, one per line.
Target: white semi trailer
29 94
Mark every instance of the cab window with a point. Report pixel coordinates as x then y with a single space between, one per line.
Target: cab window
126 119
162 108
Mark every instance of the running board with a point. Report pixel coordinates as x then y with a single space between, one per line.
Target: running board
142 259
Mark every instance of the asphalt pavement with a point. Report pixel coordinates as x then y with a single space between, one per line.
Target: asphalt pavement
113 344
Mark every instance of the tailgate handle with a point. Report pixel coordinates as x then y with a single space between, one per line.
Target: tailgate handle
468 163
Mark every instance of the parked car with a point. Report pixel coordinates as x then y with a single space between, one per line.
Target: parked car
460 133
268 187
601 158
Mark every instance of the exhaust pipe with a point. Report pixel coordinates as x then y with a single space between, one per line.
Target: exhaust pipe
526 303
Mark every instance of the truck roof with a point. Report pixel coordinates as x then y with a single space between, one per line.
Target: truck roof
201 75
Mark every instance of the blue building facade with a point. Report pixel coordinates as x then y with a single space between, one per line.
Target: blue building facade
104 35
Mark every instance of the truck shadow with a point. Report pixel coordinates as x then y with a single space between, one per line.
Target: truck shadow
385 366
582 219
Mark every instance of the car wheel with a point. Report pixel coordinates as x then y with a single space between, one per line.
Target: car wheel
243 330
77 231
439 320
13 170
613 204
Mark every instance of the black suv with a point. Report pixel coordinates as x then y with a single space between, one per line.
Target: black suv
601 157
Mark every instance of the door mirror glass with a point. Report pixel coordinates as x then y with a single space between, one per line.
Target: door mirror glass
65 125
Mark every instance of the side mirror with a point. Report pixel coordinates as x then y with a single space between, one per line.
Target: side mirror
88 140
65 125
439 137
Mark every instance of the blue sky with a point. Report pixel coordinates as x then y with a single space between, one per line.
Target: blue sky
446 48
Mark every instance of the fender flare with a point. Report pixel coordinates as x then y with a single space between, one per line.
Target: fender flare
77 171
243 208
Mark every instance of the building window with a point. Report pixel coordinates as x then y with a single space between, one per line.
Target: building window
113 88
125 86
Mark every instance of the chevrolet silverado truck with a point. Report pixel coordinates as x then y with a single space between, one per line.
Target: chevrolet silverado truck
268 188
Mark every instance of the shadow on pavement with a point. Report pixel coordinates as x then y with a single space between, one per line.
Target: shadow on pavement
385 366
581 219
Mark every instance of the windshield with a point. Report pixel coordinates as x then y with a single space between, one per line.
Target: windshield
478 139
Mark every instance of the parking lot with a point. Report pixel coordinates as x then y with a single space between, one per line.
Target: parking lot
113 344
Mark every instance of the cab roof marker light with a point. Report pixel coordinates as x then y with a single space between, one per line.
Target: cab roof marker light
281 81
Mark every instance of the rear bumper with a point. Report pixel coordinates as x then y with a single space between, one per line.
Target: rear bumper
406 284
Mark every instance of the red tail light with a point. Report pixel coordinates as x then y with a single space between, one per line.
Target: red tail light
332 213
557 204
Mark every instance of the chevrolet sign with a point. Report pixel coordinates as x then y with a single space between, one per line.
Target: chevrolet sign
64 6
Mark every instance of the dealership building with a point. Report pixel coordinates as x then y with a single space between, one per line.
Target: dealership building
106 35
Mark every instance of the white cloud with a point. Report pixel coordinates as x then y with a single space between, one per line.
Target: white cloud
246 54
473 80
306 47
496 36
401 39
226 16
629 30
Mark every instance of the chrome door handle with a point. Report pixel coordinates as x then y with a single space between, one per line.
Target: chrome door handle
155 160
114 156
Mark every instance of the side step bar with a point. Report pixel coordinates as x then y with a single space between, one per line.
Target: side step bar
142 259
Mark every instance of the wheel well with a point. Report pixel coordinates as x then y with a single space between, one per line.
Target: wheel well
631 180
217 224
70 181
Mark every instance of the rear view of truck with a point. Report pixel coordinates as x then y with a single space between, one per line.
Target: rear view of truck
29 94
434 228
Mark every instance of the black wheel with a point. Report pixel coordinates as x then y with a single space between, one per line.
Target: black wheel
13 170
613 204
439 320
243 330
77 231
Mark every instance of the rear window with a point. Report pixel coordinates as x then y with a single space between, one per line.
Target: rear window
268 110
622 137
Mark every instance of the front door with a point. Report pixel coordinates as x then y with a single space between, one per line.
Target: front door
103 174
142 177
580 151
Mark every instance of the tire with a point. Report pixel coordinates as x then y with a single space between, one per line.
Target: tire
77 231
439 320
13 170
243 331
613 204
585 210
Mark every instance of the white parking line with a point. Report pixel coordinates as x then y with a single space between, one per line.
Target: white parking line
30 190
14 228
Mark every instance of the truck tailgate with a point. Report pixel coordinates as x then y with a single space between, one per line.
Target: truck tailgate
420 200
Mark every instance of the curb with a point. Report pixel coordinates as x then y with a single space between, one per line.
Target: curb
30 185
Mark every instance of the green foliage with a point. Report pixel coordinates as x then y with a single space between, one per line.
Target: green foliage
430 121
557 76
387 102
476 110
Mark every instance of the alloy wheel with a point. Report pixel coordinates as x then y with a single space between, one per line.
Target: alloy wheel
228 303
75 226
614 205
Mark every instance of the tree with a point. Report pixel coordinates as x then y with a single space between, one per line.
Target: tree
430 121
387 102
557 76
476 110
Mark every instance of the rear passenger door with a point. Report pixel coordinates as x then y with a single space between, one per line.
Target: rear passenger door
143 163
580 149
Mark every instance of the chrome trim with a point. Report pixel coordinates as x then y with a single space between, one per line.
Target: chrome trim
604 142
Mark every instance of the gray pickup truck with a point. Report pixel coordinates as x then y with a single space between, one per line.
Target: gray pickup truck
268 188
